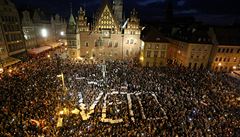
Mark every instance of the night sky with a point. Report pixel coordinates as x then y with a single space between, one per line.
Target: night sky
211 11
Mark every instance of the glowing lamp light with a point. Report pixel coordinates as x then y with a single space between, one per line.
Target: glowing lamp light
219 64
91 58
62 33
48 56
234 67
1 70
141 58
80 58
44 33
10 71
26 37
61 112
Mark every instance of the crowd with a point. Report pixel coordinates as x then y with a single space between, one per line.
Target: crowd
195 102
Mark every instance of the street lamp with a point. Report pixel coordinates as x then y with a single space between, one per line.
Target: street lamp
122 46
63 82
62 33
44 33
80 58
10 70
1 67
1 70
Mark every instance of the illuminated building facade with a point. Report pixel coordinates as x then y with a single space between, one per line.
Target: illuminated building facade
190 47
227 58
34 27
107 37
3 48
226 54
154 50
28 30
11 30
73 38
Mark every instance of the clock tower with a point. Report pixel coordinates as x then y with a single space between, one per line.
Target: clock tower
118 10
73 38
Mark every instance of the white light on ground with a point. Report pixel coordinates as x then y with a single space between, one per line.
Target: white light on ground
80 58
1 70
62 33
44 33
26 37
10 70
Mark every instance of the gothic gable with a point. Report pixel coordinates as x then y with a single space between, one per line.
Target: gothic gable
106 20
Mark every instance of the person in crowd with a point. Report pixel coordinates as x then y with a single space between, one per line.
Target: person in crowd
196 102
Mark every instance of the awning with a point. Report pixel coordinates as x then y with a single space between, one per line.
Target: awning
9 61
36 51
53 44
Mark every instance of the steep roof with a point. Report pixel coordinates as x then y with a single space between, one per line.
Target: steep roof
227 35
153 35
71 26
6 2
71 20
192 34
106 6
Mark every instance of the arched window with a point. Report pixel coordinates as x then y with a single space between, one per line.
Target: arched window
131 42
110 44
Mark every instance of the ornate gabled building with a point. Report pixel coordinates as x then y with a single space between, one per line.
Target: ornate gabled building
34 25
58 27
28 31
108 37
82 21
11 29
73 38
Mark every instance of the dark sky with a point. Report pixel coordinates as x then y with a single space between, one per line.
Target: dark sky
212 11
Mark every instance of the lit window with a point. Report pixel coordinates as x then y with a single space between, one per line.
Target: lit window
238 51
155 54
224 59
110 44
148 54
223 50
235 59
227 51
131 42
116 44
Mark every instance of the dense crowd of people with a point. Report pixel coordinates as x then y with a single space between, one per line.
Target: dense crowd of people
189 102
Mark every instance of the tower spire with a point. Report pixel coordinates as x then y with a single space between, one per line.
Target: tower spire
84 4
70 7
